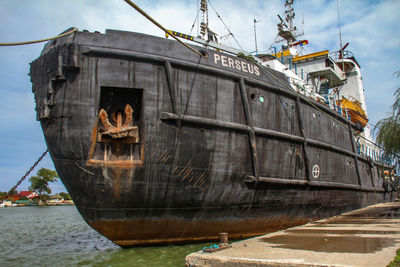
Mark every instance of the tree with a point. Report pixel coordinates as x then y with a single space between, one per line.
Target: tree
65 196
40 182
388 129
8 194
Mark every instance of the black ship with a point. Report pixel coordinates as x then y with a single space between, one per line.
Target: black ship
158 145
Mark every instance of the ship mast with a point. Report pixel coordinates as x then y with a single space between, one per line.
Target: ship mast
286 28
205 31
204 23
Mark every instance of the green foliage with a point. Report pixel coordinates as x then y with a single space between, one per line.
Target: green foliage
387 130
388 134
4 194
396 261
65 196
13 192
44 197
40 182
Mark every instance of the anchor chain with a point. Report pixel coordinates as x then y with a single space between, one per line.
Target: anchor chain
26 174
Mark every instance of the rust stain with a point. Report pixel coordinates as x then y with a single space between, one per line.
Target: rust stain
198 180
93 139
191 179
123 133
104 119
142 232
122 129
187 173
115 163
182 171
116 173
187 170
162 155
166 158
128 116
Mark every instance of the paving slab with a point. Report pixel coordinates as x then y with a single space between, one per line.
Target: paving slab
364 237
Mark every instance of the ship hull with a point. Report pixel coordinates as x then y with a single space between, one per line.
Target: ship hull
158 145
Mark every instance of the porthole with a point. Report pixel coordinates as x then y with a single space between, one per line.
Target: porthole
252 96
314 116
292 106
315 171
262 99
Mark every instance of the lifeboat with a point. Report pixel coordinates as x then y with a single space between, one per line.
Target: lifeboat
354 109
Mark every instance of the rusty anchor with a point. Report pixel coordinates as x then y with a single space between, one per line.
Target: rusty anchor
122 129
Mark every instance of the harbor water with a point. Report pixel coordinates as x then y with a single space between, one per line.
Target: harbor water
58 236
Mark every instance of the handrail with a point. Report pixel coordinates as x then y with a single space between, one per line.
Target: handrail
346 54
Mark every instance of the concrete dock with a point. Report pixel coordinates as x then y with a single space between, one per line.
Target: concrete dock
364 237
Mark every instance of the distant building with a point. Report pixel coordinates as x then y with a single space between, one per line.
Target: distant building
55 200
28 194
32 195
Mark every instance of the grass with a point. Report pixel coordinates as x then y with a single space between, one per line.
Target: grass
396 261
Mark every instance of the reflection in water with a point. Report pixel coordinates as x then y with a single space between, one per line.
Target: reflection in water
338 244
58 236
340 231
332 239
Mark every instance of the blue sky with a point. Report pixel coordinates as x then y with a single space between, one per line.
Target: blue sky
371 28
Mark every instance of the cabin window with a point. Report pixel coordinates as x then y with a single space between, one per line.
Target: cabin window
329 63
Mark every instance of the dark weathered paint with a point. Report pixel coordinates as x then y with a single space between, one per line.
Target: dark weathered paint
210 157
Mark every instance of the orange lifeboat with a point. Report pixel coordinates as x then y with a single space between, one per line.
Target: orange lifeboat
354 109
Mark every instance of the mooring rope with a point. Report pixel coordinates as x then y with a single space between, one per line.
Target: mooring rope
39 41
138 9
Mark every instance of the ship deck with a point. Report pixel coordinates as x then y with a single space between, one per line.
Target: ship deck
364 237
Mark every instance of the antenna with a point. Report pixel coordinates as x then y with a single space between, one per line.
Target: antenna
204 23
286 28
340 36
255 34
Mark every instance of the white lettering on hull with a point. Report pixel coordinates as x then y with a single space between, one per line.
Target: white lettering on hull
236 64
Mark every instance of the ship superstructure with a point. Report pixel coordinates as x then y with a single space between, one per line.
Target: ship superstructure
332 78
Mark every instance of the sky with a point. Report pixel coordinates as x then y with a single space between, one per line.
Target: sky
371 27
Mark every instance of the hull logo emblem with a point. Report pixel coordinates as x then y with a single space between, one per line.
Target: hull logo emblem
315 171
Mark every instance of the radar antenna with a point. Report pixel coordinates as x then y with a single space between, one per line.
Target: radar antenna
286 29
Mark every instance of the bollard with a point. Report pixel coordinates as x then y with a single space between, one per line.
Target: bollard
223 237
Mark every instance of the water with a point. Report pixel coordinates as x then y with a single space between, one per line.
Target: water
58 236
